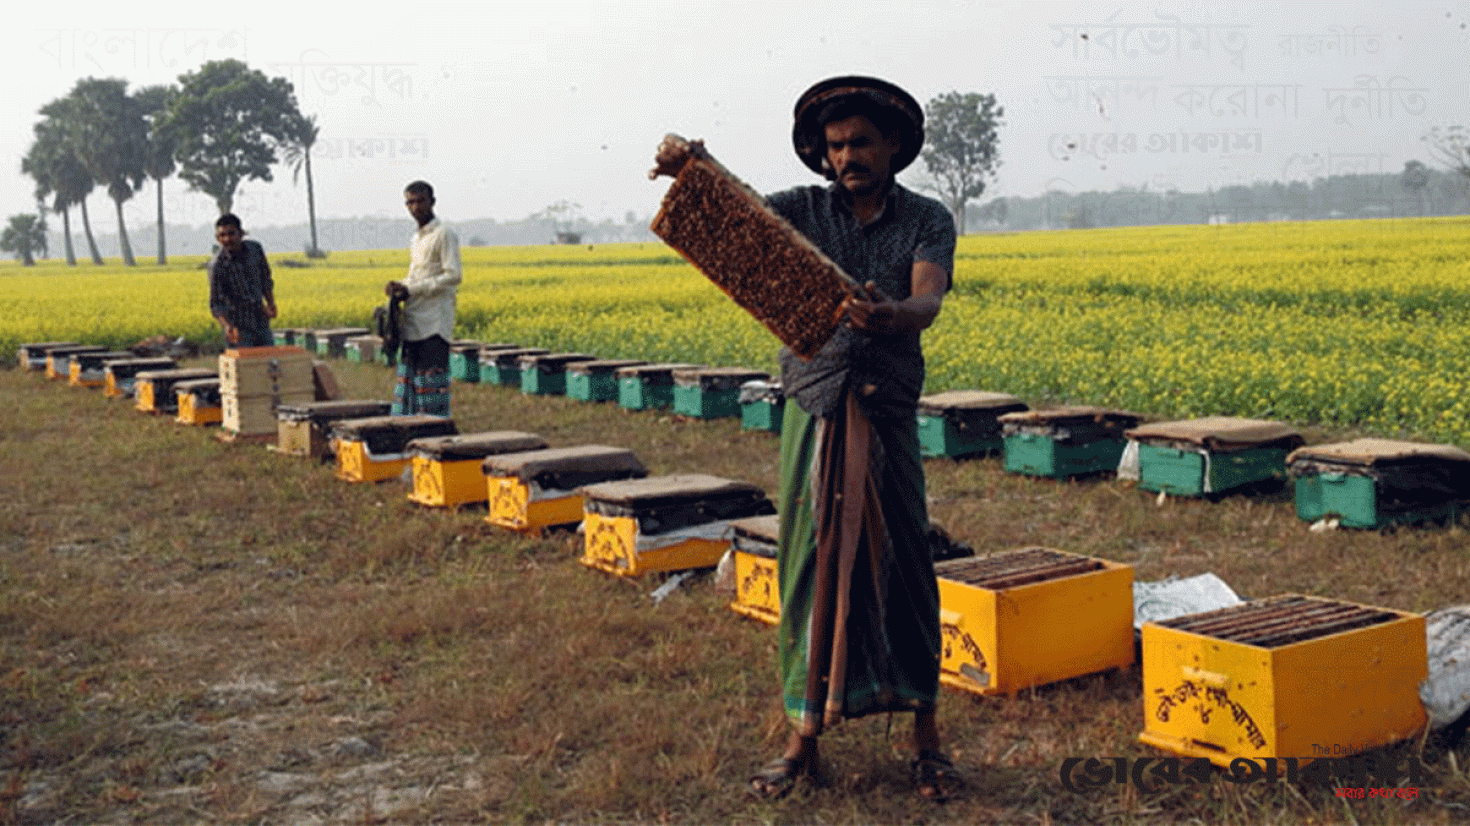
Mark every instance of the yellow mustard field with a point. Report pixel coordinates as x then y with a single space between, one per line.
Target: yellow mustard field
1354 323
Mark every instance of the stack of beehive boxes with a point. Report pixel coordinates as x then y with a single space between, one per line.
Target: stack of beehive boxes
254 380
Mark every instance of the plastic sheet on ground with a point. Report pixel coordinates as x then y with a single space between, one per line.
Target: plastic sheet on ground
1446 691
1173 597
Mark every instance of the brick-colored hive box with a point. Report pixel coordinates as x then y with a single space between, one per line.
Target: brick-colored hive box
305 428
120 375
1287 676
153 390
446 469
959 423
1032 616
648 386
712 392
534 491
545 374
1200 457
198 402
374 449
85 368
757 584
596 380
1373 483
1066 441
664 523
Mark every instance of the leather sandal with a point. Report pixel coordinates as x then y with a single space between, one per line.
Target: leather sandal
935 776
776 779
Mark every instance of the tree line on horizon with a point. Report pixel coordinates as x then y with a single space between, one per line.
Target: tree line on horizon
220 125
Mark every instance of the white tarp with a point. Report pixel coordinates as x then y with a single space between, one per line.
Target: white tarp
1173 597
1446 691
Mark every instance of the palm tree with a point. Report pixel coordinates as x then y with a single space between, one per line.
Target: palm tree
111 138
60 173
158 161
296 152
25 234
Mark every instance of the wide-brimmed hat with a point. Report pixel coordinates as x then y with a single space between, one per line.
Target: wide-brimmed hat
811 141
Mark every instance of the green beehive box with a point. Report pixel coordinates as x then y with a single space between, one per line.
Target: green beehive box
711 392
959 423
647 386
503 367
596 380
545 374
762 406
332 342
464 360
362 349
1374 483
1200 457
1064 442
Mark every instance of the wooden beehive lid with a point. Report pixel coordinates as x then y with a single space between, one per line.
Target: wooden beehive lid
659 490
551 361
664 369
36 349
363 339
464 446
723 376
465 345
765 528
1076 414
342 332
329 410
1370 452
510 357
68 349
194 385
94 357
939 404
590 461
134 364
731 235
406 424
498 345
1221 433
278 351
588 368
177 374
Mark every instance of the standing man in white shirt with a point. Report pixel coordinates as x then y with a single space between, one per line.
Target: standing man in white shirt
428 295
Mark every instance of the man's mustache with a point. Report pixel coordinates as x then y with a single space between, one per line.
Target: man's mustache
856 167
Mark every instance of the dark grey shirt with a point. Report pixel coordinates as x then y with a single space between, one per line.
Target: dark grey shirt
912 228
238 285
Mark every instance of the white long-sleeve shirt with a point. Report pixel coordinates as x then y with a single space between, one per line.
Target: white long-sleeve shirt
434 275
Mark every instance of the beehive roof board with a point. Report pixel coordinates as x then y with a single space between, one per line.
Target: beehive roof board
388 435
717 378
567 468
509 357
1383 452
975 411
325 411
1221 434
667 503
1079 424
658 371
1407 475
474 445
731 235
552 362
595 366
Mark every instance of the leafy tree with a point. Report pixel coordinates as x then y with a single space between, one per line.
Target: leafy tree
1415 178
158 160
110 136
227 122
60 171
961 147
1450 146
25 234
297 155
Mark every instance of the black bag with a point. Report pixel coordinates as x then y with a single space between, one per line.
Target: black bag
388 324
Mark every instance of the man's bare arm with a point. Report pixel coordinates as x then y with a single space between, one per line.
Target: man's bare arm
877 313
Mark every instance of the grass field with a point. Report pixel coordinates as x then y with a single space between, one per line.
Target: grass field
194 632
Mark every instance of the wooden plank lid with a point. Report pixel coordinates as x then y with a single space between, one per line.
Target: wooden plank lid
463 446
1221 433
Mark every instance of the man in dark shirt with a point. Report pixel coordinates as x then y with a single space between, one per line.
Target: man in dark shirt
241 292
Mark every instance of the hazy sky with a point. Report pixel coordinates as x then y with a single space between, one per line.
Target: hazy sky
509 107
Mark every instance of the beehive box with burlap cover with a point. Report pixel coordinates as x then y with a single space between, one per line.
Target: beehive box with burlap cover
1197 457
1287 676
153 390
711 392
1032 616
664 523
304 428
198 402
1065 441
120 375
648 386
446 469
1372 483
534 491
31 355
374 449
753 543
596 380
959 423
85 369
545 374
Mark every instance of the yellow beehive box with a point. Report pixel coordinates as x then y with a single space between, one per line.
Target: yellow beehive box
153 391
120 375
446 469
32 354
373 449
198 402
757 585
304 428
1287 676
1032 616
534 491
664 523
265 371
58 358
85 369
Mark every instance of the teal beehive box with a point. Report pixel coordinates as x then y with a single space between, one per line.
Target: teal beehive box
464 360
711 392
332 342
596 380
545 374
362 349
648 386
959 423
1374 483
1199 457
503 367
1063 442
762 405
